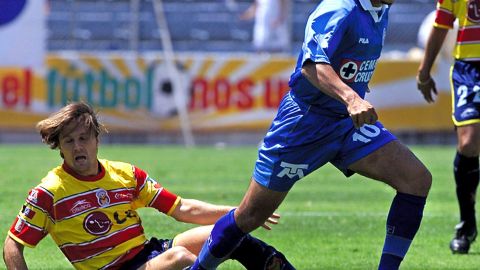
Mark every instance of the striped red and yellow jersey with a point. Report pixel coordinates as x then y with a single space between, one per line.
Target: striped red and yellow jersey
467 12
93 220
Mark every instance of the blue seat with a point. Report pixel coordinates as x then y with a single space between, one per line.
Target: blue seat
195 25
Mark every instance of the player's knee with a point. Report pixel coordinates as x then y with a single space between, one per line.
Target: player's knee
182 256
469 149
417 181
468 144
427 181
424 181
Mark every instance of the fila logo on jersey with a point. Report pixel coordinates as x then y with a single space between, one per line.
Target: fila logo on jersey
357 71
363 40
292 170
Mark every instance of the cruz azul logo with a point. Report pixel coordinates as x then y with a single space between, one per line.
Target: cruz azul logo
292 170
357 71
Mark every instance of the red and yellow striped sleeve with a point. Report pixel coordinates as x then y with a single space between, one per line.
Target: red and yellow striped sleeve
32 222
445 16
151 194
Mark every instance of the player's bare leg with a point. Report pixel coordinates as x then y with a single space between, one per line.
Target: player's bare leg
469 140
397 166
466 172
257 205
193 239
176 258
251 252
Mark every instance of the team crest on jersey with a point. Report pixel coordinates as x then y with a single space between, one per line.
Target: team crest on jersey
102 197
473 12
357 71
348 69
97 223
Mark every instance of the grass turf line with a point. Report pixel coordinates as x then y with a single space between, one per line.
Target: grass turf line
328 221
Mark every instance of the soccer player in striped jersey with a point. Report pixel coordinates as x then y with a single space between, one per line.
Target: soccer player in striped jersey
325 118
88 206
465 85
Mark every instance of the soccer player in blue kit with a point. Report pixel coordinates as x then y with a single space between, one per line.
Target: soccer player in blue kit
324 118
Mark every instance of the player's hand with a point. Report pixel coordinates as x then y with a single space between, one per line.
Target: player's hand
427 87
362 112
273 219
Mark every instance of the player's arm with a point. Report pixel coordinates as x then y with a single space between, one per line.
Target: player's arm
152 194
13 255
203 213
425 82
322 76
199 212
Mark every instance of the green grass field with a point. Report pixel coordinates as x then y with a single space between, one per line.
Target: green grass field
328 221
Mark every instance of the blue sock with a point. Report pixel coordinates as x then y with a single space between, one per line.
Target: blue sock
403 222
225 237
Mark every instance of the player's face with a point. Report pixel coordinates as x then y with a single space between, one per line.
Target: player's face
79 148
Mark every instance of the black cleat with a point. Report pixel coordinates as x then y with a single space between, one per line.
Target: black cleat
277 261
463 238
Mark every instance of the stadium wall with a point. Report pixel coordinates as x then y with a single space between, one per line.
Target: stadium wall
230 97
225 93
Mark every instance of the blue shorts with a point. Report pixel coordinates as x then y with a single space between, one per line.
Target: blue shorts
152 249
465 78
301 139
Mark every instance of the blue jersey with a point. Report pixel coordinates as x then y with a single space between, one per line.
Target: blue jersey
348 35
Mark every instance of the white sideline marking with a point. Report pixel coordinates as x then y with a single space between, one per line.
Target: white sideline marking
338 214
